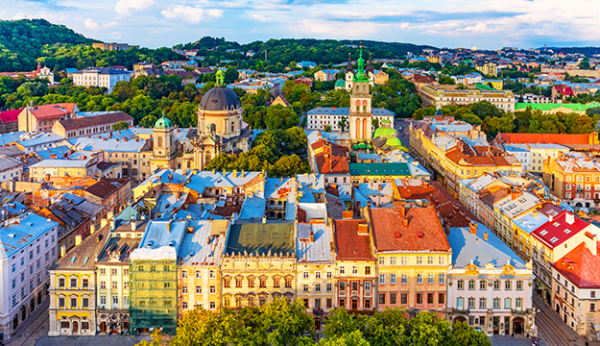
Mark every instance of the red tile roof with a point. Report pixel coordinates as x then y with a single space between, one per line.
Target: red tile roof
83 122
10 116
422 232
556 229
551 138
564 90
580 267
350 245
331 160
57 110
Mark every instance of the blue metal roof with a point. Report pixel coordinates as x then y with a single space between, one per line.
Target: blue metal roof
20 232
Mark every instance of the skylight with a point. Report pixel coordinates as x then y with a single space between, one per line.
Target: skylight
544 232
567 231
554 240
73 259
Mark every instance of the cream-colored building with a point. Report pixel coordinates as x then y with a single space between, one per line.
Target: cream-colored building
259 264
441 95
102 77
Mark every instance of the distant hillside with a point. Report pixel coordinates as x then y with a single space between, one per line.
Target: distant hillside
285 51
588 51
22 41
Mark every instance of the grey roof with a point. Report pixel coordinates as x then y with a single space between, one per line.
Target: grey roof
7 163
261 238
83 257
101 70
220 98
318 250
467 248
11 151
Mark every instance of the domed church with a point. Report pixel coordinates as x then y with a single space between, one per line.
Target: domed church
220 124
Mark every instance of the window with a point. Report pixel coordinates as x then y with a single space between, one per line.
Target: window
403 260
482 303
382 279
367 270
262 282
212 274
329 275
392 298
404 279
198 274
103 300
238 282
184 289
518 303
61 282
354 286
419 259
471 303
115 285
430 278
592 307
441 298
393 260
184 274
342 285
305 275
61 301
419 278
442 260
305 288
288 282
342 270
593 294
354 270
382 298
460 285
429 259
73 303
507 303
482 285
317 275
497 285
419 298
381 260
103 284
441 278
198 289
519 285
367 286
113 271
507 285
393 279
329 287
250 282
184 306
471 285
212 290
429 298
102 271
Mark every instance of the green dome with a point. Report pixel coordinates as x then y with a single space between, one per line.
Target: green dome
162 123
393 142
383 132
362 146
340 83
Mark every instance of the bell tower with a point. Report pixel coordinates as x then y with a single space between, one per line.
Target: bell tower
360 103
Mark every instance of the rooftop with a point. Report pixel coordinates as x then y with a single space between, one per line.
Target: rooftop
261 238
580 266
83 257
18 233
562 227
313 243
204 243
351 245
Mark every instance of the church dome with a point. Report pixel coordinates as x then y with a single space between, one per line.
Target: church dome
393 142
162 123
383 132
220 98
340 83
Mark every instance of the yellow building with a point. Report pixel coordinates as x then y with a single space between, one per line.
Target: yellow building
510 218
497 84
259 264
198 267
488 68
413 256
112 272
316 266
73 289
379 78
54 168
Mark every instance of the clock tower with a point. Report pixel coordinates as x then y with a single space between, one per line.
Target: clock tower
360 103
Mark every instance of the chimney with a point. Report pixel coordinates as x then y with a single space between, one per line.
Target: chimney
363 228
379 187
264 219
473 228
243 173
535 213
485 236
190 229
78 240
92 228
312 236
63 251
405 222
570 218
550 216
112 224
447 228
103 222
234 173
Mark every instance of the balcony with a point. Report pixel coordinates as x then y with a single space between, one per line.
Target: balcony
460 312
522 312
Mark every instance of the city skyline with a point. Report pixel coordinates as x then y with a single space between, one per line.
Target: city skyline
470 23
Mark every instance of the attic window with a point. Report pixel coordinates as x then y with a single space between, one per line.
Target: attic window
544 232
72 259
554 240
556 224
567 231
85 260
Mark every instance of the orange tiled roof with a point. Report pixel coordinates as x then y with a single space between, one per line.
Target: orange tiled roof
552 138
350 245
580 267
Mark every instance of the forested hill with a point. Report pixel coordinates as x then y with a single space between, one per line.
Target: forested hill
588 51
285 51
24 42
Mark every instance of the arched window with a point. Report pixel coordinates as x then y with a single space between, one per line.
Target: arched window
357 88
364 88
364 103
358 108
364 108
159 142
358 102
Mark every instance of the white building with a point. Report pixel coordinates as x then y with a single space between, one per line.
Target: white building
28 250
521 152
10 169
100 77
489 286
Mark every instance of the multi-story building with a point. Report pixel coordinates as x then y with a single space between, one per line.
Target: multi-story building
413 257
112 276
316 261
199 265
441 95
575 179
113 46
110 193
576 284
73 289
518 203
10 169
259 264
153 277
326 75
489 286
356 274
488 68
330 160
42 118
93 124
102 77
555 239
63 167
29 249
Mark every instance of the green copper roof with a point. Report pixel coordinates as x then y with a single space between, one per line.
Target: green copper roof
162 123
340 83
383 132
360 75
220 76
390 169
393 141
574 107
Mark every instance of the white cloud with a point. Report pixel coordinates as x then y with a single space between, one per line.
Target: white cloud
95 26
126 7
190 14
262 18
336 29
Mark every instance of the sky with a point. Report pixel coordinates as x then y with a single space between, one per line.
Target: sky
485 24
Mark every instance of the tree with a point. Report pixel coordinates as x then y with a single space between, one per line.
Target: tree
484 109
328 128
121 125
354 338
279 117
156 339
375 123
462 334
445 80
343 123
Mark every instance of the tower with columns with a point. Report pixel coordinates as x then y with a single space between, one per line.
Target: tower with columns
360 103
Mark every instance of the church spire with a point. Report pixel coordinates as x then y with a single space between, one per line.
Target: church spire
220 78
360 71
349 66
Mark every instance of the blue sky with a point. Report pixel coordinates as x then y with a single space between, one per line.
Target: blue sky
486 24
